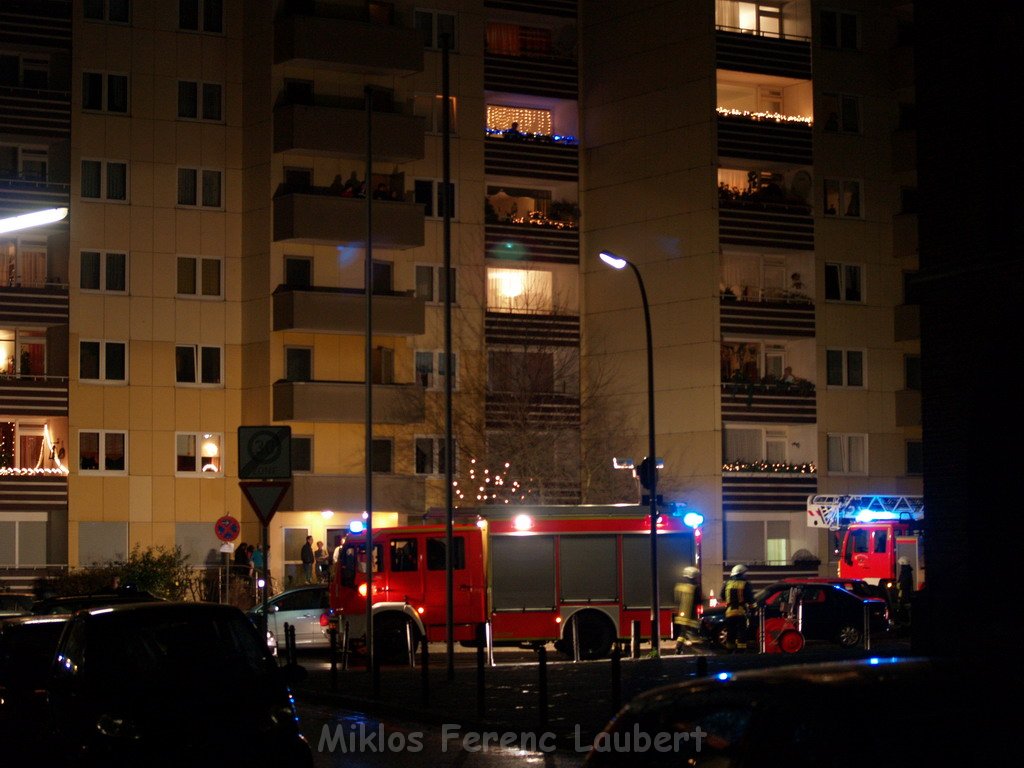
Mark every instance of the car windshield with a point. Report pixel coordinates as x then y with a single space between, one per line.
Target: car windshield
26 651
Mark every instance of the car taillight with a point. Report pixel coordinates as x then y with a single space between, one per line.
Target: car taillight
362 590
325 618
700 611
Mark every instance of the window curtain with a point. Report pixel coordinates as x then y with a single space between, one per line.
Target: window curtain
727 13
503 39
742 445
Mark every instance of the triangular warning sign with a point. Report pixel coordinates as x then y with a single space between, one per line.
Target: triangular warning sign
265 496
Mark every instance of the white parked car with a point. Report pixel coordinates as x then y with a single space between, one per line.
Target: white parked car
300 607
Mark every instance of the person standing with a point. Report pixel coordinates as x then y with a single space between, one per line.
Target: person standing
904 589
308 559
323 562
739 599
688 601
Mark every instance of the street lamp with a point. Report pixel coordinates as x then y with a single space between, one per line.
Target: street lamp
618 262
33 219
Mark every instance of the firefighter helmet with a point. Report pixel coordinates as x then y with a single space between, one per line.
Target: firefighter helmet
903 561
690 572
738 570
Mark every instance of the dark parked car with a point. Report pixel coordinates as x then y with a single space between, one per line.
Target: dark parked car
72 603
829 612
170 684
883 713
16 603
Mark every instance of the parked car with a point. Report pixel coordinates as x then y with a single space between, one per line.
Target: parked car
72 603
16 603
300 607
169 684
884 713
829 612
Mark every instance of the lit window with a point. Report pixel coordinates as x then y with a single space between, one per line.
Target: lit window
842 198
199 453
519 290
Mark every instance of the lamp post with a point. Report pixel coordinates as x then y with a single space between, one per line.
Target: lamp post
618 262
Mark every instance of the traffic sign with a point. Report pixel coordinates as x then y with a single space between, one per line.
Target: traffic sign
264 453
265 496
227 528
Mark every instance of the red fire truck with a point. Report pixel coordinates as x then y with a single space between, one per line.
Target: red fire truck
577 576
874 531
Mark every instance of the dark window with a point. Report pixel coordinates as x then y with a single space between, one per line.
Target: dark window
881 539
211 189
380 456
403 555
423 193
298 91
92 9
117 181
915 457
855 369
298 272
382 277
90 271
832 291
912 372
436 549
911 289
115 362
92 90
834 367
119 10
185 364
211 101
89 360
210 357
299 364
188 99
302 454
188 14
117 93
116 272
298 178
187 186
213 16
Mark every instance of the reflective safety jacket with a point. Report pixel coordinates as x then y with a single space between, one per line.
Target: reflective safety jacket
738 594
688 597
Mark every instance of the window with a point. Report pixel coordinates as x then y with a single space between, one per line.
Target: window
199 187
199 276
104 271
437 549
430 456
915 457
843 282
201 15
102 361
430 369
427 192
104 92
22 353
302 454
381 450
520 290
298 362
430 107
751 445
197 365
200 101
844 367
382 278
912 372
102 451
848 454
432 25
198 453
23 262
430 284
839 30
24 162
403 555
777 542
26 70
298 272
104 180
117 11
842 198
842 113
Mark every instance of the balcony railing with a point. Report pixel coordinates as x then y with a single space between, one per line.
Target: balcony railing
767 140
507 410
532 159
317 216
20 195
766 225
35 112
745 52
775 316
546 77
32 492
345 402
349 44
532 242
767 491
534 329
341 132
343 310
28 395
402 493
562 8
769 403
34 305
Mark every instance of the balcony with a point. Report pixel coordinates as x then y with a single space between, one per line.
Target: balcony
21 195
745 52
563 8
548 77
768 403
766 225
26 395
773 141
35 112
776 316
907 322
341 310
531 158
345 402
908 408
518 242
404 494
35 492
316 216
340 131
768 491
540 330
514 410
348 44
33 305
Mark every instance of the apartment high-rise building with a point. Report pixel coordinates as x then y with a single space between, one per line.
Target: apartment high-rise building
753 160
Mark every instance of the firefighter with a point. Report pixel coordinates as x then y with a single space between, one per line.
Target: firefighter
739 600
904 588
688 599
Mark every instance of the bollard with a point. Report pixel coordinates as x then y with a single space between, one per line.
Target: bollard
332 634
425 673
542 687
761 639
867 626
635 640
575 638
616 678
481 657
410 646
344 647
702 666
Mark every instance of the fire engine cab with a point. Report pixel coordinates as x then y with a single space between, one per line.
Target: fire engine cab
874 532
577 576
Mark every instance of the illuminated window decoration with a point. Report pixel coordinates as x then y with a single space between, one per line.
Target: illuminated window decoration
519 290
199 452
764 466
527 120
30 450
773 116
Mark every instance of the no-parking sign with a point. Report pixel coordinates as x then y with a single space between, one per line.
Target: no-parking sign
227 528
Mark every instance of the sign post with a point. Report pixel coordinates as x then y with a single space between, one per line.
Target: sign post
227 530
264 497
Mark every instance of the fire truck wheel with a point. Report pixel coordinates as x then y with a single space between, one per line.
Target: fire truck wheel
849 636
389 637
596 635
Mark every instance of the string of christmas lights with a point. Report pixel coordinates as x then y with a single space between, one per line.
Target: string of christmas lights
763 466
773 116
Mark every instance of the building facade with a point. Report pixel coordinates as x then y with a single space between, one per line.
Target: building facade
225 161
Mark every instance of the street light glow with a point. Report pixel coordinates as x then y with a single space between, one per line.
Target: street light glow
33 219
612 260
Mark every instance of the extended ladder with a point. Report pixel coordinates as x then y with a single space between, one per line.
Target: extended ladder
835 511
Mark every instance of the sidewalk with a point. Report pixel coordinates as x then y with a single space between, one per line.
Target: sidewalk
580 696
